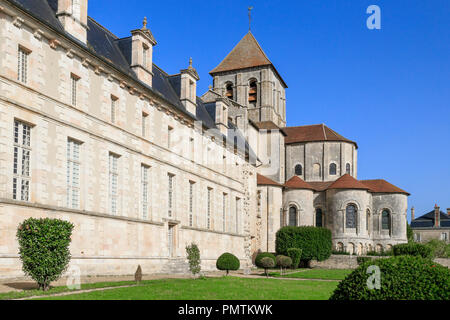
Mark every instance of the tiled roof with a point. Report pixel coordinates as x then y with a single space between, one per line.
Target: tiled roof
246 54
320 186
382 186
313 133
264 181
298 183
347 182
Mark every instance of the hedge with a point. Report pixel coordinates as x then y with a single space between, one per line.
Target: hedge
315 242
260 256
413 249
296 255
44 249
228 262
402 278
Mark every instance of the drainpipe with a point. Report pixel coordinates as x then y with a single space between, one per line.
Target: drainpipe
267 220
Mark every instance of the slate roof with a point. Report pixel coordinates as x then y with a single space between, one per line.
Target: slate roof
264 181
428 221
246 54
313 133
117 53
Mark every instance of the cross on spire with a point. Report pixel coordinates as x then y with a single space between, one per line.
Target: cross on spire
250 18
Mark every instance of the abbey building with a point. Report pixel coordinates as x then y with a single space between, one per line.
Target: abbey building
93 132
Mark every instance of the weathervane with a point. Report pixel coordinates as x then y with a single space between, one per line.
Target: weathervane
250 18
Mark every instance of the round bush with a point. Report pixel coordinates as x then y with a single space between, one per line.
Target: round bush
267 263
412 249
44 249
228 262
295 254
260 256
402 278
283 261
315 242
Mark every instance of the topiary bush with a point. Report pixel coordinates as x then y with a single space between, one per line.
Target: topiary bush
267 263
44 249
193 256
283 262
402 278
315 242
412 249
295 254
260 256
228 262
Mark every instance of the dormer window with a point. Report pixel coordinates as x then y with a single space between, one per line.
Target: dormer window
229 91
253 93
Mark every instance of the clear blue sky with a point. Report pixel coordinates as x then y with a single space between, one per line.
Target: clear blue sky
387 89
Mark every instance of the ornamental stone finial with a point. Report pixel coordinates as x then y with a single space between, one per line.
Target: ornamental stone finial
144 23
190 62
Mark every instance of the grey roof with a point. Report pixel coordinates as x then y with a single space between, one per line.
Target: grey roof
117 52
428 221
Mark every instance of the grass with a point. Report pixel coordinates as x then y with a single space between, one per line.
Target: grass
316 274
62 289
226 288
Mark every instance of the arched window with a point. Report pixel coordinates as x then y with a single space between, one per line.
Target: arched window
317 171
253 93
229 91
333 169
293 217
319 217
368 220
386 220
348 169
350 216
298 170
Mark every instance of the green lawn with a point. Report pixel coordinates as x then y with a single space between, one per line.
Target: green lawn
226 288
316 274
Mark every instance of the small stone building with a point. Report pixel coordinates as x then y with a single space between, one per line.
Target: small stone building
434 225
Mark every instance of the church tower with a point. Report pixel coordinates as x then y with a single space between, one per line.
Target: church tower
248 77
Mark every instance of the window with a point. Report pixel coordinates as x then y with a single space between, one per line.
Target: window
169 136
22 69
368 221
74 83
22 159
170 195
73 174
386 220
191 203
113 109
238 213
208 214
348 169
293 217
113 182
145 190
144 124
333 169
319 217
144 55
224 212
229 91
351 216
444 236
298 170
253 93
317 172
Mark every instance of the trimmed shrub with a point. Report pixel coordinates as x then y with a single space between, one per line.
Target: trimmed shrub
267 263
260 256
413 249
402 278
439 249
315 242
44 249
228 262
283 262
295 254
193 256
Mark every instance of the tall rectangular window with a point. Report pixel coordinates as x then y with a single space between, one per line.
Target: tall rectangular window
145 190
113 182
73 174
22 70
171 195
74 84
22 158
191 203
224 212
238 213
113 109
144 124
208 208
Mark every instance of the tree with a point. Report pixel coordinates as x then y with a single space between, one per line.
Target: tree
409 233
228 262
267 263
193 256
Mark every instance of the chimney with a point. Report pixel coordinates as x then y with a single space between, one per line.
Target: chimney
188 91
142 43
448 212
413 214
437 216
73 16
222 115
